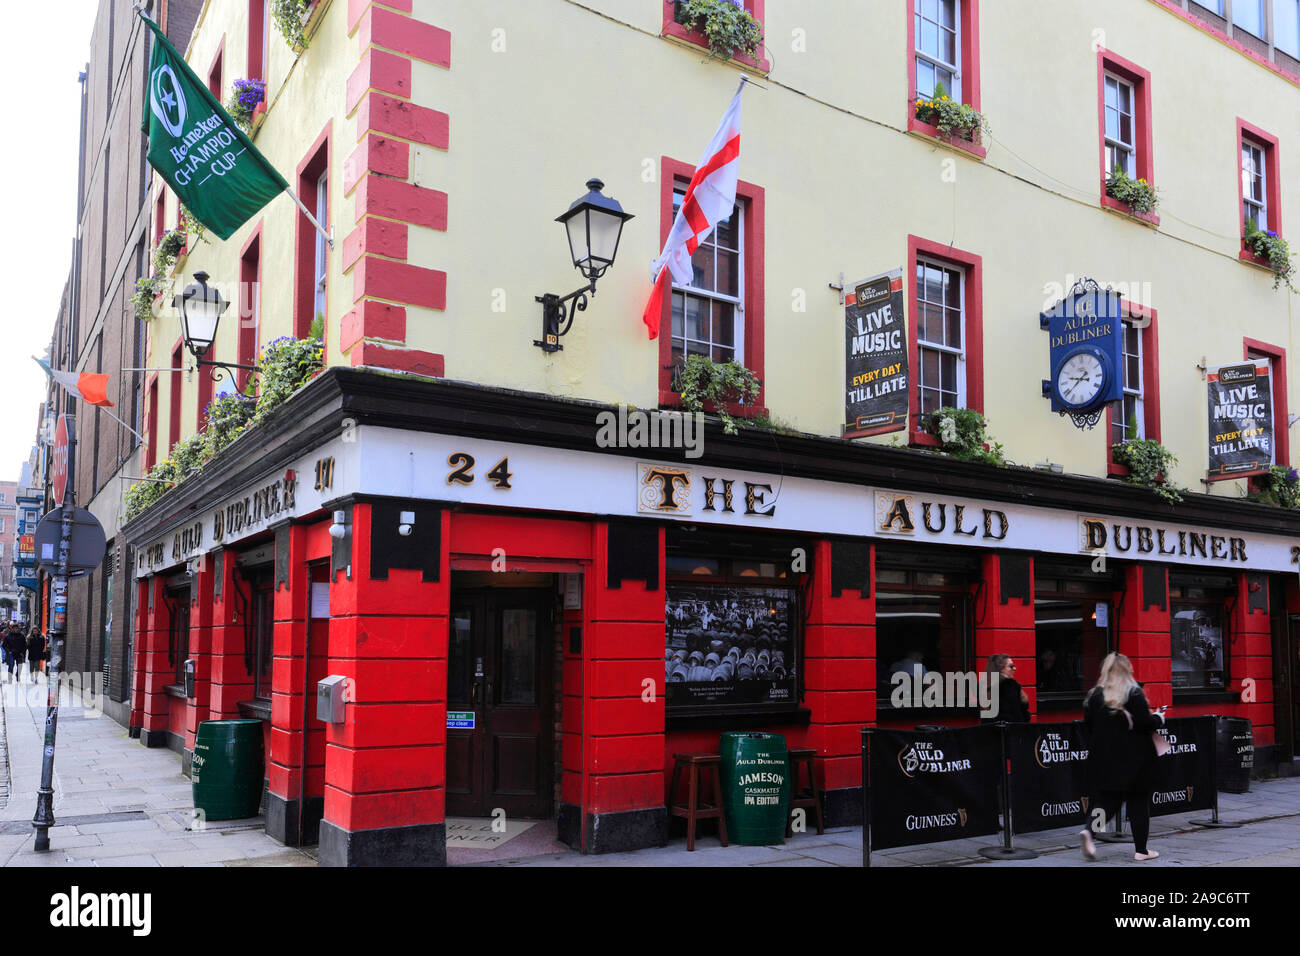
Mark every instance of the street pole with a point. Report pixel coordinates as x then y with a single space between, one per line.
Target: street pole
44 818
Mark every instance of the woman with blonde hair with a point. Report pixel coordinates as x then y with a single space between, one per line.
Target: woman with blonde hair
1121 754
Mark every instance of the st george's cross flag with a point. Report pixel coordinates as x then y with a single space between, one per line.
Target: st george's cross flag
90 387
709 199
198 149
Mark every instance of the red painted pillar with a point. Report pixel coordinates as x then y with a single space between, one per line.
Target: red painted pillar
200 649
1143 634
230 681
840 671
288 675
143 636
1004 618
385 765
153 668
1250 656
620 785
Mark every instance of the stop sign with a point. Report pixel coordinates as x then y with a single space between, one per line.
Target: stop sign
64 436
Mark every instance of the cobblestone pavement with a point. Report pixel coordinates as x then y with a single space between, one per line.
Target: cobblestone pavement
116 803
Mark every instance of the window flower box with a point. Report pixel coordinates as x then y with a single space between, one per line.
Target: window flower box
1134 197
728 29
1266 248
957 124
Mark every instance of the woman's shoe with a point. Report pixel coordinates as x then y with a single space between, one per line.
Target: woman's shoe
1143 857
1089 848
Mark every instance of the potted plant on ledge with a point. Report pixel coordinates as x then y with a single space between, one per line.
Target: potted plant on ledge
246 96
1138 195
726 24
949 117
962 433
708 386
1270 249
1148 463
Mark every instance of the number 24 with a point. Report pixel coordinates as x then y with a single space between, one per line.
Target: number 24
461 464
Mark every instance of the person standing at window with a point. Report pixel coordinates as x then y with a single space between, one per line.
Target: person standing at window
1013 702
1122 755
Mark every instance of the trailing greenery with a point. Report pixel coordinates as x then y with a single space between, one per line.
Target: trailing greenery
962 433
1269 245
286 365
1138 194
702 381
289 16
146 290
244 97
191 225
728 27
169 245
1280 487
317 328
950 117
1131 426
1149 464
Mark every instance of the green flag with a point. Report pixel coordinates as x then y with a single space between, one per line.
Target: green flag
196 147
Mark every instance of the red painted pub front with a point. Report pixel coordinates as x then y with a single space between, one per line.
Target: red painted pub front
533 624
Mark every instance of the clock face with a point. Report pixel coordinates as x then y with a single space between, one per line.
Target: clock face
1080 379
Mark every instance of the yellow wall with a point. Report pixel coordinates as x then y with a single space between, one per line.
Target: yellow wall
543 95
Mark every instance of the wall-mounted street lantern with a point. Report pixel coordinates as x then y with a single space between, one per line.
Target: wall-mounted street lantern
201 307
594 224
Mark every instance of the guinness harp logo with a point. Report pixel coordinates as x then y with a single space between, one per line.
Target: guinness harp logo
961 815
1084 802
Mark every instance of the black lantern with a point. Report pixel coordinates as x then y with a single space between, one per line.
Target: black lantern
594 224
201 308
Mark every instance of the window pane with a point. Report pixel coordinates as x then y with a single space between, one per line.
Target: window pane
726 234
1112 123
954 329
929 368
945 77
1132 376
723 354
929 8
933 284
917 633
948 13
518 656
1126 128
695 318
679 306
1249 15
924 79
1196 644
1112 93
702 263
952 289
929 39
948 363
724 324
1286 26
949 50
728 280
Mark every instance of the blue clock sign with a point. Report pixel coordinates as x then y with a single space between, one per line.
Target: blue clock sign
1086 339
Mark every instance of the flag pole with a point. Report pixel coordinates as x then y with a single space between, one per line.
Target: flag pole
329 236
120 422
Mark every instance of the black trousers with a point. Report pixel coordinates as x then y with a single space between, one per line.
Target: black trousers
1139 812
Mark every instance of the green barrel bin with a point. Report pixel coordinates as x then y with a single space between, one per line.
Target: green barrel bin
228 768
755 772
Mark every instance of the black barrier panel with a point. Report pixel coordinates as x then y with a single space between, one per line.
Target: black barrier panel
1236 759
1184 777
1049 775
934 786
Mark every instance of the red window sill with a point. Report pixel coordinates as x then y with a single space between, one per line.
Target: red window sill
1248 255
694 37
923 440
673 401
1110 202
1116 471
915 125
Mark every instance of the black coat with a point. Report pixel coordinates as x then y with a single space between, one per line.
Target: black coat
36 648
1010 708
1121 757
16 644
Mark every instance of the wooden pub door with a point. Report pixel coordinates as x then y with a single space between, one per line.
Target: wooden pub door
500 744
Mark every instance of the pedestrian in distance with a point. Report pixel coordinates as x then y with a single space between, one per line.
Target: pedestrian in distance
1122 756
35 654
1013 702
16 649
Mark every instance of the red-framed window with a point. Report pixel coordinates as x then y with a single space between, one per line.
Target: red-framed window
250 305
1124 124
943 46
1259 188
1276 356
721 313
258 32
160 216
174 421
945 337
1141 383
671 28
151 428
311 251
215 71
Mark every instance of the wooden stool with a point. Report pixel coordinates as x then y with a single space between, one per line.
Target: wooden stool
693 809
804 798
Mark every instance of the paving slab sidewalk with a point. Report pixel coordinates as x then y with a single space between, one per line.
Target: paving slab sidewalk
116 803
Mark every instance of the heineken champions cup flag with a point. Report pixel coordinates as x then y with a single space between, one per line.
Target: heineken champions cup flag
196 147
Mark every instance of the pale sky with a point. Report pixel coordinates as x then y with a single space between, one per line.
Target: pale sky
42 49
